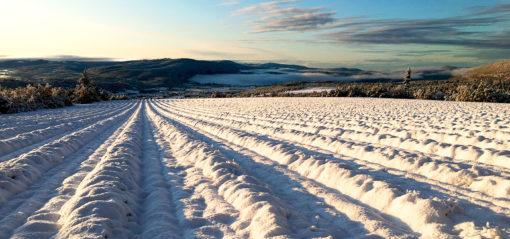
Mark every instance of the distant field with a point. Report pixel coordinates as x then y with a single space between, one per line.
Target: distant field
257 167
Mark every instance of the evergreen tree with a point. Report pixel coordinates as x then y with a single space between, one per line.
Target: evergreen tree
407 76
86 90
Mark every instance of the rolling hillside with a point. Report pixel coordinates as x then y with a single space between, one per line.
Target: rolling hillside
496 71
112 75
142 74
157 73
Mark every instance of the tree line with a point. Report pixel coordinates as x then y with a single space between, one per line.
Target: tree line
33 97
456 89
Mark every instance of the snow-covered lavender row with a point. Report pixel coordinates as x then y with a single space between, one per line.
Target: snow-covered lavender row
18 173
446 119
105 202
469 147
267 216
22 124
372 220
255 168
432 167
258 145
27 138
378 194
34 213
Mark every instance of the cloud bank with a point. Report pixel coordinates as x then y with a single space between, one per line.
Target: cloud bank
469 30
476 29
279 16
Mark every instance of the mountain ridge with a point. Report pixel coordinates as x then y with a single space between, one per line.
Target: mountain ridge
166 72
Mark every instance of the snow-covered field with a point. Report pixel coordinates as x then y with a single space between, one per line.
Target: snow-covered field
311 90
262 167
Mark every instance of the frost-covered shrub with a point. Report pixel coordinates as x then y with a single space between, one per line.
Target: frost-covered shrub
33 97
86 91
85 95
456 89
4 104
463 93
118 97
356 92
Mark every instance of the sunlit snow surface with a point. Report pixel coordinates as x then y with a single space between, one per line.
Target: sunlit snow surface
311 90
256 168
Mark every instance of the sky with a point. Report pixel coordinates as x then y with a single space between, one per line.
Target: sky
369 34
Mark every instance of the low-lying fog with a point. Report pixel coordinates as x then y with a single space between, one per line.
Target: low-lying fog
267 77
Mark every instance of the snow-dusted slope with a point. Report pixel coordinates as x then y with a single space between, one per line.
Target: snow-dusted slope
257 168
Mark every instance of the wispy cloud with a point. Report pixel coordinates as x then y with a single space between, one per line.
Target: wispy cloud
486 54
423 52
474 29
279 16
504 8
78 58
229 3
448 31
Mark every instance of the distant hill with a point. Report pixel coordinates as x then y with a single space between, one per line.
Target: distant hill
278 66
114 76
143 74
158 73
495 71
20 72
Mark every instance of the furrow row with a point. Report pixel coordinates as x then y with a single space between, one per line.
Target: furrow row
389 198
321 207
18 174
35 212
262 215
493 152
28 138
18 126
460 175
105 202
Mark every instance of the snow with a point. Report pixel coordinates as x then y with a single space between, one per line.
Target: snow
257 168
311 90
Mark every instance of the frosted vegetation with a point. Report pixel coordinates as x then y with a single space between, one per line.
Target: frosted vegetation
447 90
490 83
257 168
33 97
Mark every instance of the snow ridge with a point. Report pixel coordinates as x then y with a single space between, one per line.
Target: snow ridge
257 168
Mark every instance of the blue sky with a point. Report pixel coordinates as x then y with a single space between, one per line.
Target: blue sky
371 34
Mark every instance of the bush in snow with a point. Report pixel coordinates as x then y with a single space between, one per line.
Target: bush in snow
480 89
86 91
33 97
4 104
39 96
